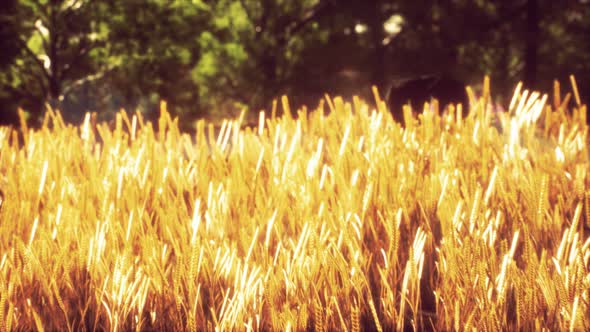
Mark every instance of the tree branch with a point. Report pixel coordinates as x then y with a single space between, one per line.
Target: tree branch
248 13
90 78
312 14
43 39
82 52
34 57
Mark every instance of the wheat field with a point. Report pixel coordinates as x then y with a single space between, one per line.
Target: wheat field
334 220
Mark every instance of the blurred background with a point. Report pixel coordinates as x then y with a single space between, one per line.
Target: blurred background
213 58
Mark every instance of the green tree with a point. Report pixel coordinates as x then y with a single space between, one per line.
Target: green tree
8 34
59 47
10 49
222 55
158 44
251 52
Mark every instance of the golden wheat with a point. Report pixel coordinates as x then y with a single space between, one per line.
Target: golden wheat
337 221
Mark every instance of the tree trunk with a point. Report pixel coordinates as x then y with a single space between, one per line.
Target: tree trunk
269 68
375 22
532 43
54 82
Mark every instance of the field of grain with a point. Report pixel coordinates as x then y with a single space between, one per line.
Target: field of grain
339 219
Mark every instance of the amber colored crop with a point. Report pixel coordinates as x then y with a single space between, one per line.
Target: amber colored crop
346 221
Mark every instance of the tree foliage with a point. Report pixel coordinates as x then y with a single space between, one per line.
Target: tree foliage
205 56
58 47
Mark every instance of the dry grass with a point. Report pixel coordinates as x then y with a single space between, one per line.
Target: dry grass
341 222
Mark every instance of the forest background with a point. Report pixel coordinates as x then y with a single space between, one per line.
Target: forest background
214 58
